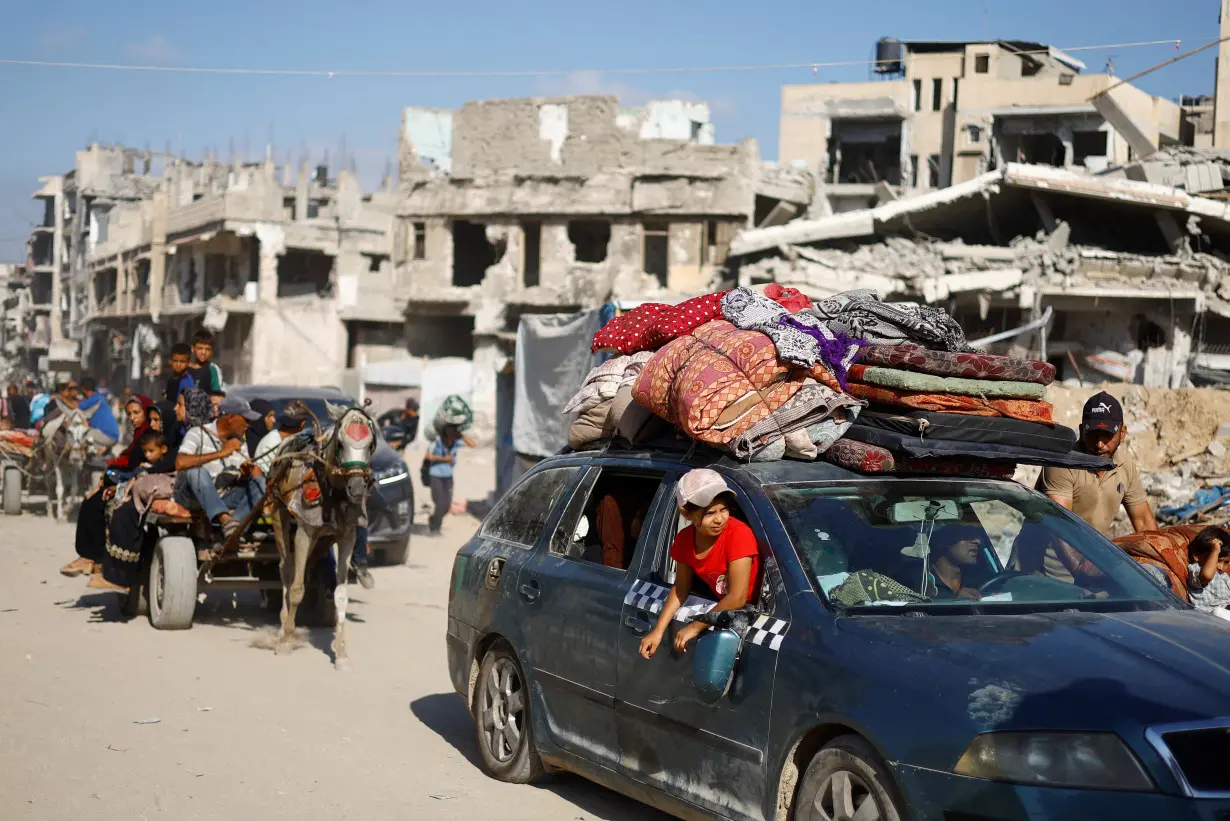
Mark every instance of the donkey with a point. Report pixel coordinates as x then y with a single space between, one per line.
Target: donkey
64 448
318 489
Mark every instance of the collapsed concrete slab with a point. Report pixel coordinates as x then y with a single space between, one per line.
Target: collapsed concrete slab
1127 267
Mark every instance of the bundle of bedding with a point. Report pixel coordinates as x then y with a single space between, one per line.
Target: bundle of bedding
878 387
727 387
603 400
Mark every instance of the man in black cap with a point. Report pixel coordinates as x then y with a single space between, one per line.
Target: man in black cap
1096 496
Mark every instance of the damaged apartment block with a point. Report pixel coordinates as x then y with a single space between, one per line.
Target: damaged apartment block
552 205
290 269
942 113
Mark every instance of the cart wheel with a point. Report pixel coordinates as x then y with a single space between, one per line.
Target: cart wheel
12 491
172 583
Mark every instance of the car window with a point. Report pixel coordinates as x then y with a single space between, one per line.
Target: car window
606 518
663 569
935 545
524 511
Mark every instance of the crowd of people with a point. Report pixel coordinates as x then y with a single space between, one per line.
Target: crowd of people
194 449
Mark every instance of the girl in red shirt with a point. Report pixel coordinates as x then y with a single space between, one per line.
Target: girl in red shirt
716 547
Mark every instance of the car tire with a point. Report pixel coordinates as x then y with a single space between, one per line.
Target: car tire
172 583
502 719
396 553
841 779
12 491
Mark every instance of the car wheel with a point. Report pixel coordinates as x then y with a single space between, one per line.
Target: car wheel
502 717
844 782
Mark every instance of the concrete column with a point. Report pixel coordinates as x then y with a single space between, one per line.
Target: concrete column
1221 110
157 255
57 267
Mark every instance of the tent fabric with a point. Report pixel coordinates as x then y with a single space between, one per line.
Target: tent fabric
553 358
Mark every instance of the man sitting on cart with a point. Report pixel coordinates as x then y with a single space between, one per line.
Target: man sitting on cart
214 476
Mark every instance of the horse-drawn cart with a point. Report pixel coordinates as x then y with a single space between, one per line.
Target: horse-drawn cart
16 450
183 560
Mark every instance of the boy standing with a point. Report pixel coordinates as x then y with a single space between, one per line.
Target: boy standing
179 380
207 374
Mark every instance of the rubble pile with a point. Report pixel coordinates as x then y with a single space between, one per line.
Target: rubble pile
1180 438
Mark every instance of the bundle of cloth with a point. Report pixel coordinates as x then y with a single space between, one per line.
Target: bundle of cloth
605 399
728 387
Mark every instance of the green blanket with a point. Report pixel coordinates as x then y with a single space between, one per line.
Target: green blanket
926 383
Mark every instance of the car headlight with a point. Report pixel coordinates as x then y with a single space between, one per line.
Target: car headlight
388 477
1099 761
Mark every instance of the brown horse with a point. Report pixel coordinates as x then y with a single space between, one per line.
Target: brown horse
318 488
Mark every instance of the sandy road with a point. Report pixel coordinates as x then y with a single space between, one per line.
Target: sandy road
242 733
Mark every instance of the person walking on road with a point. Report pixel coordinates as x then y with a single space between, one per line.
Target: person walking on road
442 458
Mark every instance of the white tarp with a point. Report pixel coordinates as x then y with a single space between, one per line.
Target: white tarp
442 378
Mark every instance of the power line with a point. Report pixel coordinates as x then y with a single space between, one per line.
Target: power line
328 74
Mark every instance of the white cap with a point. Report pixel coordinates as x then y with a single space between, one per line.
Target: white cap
700 487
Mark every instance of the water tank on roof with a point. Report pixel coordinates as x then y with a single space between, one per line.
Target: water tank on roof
890 56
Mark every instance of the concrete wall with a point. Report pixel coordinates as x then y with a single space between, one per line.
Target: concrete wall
301 342
808 111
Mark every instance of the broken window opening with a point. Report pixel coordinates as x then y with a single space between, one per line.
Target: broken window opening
313 209
304 273
864 152
1087 144
1066 79
656 251
217 270
1030 68
1039 149
1149 334
374 261
420 240
956 88
708 242
937 94
982 63
933 168
441 336
532 259
473 254
918 95
49 212
40 288
590 239
913 171
974 133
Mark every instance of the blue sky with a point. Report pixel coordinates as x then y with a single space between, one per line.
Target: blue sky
50 112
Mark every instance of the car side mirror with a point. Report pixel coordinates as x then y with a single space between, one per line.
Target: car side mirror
713 664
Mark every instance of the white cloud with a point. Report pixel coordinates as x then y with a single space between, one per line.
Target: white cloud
61 39
157 50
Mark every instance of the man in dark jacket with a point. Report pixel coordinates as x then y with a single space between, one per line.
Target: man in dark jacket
405 420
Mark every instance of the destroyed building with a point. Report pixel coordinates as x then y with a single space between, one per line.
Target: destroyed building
530 205
942 113
138 250
1122 280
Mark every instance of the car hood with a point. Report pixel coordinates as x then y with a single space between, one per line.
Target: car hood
1068 670
384 457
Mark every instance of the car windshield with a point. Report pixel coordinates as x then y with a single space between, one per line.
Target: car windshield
952 545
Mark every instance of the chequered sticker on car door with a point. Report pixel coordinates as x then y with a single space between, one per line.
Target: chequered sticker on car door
765 631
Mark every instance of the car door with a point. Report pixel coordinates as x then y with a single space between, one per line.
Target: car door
572 603
482 596
713 756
